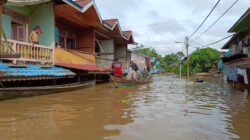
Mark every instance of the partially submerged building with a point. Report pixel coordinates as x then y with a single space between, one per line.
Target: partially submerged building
142 61
74 37
236 61
31 62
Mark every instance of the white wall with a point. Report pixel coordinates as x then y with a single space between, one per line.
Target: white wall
108 47
139 60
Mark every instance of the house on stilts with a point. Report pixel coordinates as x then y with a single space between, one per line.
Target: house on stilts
75 45
236 61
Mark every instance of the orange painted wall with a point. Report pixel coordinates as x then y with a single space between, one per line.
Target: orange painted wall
69 57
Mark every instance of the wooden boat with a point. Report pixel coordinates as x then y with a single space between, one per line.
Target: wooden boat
9 93
124 82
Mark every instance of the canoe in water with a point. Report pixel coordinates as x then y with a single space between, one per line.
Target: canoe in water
124 82
15 92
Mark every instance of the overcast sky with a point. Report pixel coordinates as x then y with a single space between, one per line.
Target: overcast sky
159 23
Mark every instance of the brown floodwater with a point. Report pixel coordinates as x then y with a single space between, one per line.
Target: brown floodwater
166 109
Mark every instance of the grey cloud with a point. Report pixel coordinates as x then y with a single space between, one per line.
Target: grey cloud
168 19
117 8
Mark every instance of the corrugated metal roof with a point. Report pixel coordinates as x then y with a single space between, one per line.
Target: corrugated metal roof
111 22
31 71
92 68
82 3
127 34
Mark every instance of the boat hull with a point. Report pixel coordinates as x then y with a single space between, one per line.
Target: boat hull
126 83
19 92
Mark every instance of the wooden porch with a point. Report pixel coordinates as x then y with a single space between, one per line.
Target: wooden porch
27 52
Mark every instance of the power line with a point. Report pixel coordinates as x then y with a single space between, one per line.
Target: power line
215 21
182 20
205 18
223 38
215 42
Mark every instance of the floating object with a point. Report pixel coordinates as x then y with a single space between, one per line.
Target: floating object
199 81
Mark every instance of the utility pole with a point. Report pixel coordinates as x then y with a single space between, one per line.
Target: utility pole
187 47
180 69
186 43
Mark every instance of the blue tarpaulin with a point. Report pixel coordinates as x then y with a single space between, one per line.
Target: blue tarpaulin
32 71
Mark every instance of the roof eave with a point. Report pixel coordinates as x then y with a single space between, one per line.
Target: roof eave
239 21
229 41
85 8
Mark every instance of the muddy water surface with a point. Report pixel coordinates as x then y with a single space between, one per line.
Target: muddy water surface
167 109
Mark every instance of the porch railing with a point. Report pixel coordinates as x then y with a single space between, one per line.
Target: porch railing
28 52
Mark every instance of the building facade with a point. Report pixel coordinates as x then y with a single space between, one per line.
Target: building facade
236 61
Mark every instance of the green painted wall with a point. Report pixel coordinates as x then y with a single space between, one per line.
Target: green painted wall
42 15
19 9
6 22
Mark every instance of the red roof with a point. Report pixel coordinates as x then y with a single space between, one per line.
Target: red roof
127 34
86 67
83 3
111 22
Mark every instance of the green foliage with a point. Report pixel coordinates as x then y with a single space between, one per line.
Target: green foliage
201 60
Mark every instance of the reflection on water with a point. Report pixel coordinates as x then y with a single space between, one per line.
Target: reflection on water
167 109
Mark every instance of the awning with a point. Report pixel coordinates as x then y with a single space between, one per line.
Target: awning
241 62
85 67
32 71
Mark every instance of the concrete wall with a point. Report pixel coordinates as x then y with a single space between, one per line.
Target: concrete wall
42 15
108 47
6 22
121 52
103 62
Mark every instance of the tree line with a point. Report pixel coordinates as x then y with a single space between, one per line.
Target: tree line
201 60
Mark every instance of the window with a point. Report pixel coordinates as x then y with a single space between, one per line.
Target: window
18 25
17 31
67 40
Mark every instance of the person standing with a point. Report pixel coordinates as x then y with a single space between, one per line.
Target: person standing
34 35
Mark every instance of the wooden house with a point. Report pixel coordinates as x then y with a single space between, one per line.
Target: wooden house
236 61
74 36
18 20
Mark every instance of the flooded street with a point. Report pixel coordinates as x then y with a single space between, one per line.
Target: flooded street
167 109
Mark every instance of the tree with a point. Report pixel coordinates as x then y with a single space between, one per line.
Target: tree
202 60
